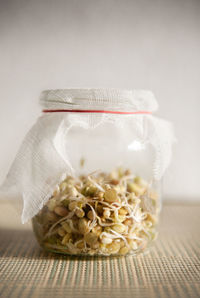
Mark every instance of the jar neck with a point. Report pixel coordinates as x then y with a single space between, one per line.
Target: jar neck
98 100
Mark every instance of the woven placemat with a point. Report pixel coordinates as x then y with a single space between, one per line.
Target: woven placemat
170 269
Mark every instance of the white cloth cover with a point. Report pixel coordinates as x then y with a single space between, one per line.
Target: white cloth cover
41 160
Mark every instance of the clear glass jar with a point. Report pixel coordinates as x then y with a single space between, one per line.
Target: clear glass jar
89 171
110 201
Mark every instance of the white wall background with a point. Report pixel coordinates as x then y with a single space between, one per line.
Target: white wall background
107 43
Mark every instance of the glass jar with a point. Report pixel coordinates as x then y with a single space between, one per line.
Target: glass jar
97 159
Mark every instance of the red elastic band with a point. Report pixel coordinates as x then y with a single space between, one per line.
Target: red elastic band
95 111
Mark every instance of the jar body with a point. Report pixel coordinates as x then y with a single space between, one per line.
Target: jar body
109 203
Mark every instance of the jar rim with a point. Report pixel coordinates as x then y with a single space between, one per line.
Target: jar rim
99 98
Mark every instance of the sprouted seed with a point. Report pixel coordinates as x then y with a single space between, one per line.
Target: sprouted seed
82 162
99 214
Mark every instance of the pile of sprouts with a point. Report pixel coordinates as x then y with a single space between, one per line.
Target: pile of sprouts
99 214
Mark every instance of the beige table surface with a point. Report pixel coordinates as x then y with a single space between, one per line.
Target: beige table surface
170 269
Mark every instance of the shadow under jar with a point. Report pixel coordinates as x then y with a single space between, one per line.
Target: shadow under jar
96 171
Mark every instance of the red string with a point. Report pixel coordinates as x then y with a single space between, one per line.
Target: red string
95 111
